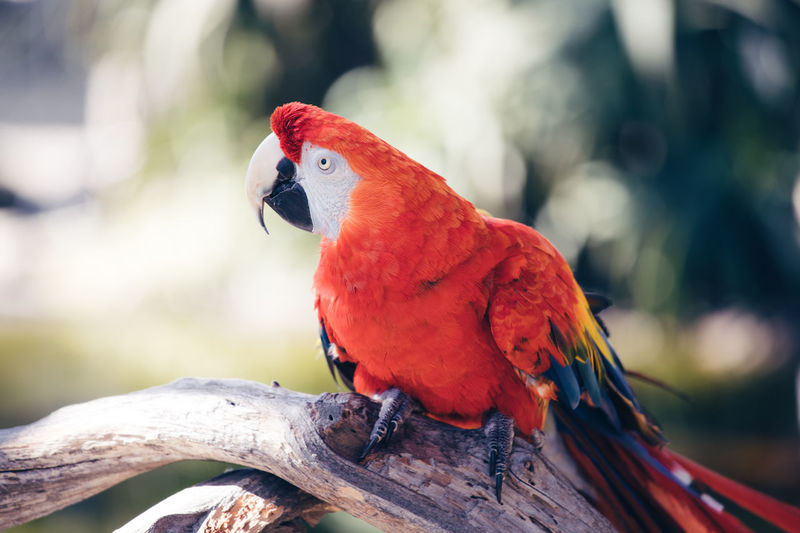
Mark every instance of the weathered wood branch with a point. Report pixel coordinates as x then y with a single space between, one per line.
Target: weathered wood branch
432 477
240 501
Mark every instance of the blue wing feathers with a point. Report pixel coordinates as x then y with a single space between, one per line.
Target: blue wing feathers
564 377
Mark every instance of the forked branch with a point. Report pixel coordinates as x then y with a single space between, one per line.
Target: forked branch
432 477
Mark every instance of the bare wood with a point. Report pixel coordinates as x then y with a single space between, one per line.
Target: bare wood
241 501
432 477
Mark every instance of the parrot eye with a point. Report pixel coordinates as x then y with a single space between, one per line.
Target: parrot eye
325 163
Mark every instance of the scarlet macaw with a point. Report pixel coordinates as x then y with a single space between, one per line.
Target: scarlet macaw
478 319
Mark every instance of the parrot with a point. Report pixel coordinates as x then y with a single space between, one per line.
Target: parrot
426 302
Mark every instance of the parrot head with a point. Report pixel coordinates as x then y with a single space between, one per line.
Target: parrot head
301 170
321 172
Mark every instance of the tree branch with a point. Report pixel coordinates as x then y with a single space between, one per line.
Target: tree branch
432 477
241 501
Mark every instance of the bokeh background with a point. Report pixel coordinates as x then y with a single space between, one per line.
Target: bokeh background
654 141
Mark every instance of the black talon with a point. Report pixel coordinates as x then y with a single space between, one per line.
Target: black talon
395 407
389 432
368 448
500 431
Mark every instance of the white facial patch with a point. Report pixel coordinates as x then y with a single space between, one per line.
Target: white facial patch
328 181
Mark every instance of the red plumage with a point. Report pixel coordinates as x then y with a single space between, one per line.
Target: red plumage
467 314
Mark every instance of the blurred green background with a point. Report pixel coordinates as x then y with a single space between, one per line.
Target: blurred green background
655 142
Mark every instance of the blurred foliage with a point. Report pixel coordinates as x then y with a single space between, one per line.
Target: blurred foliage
655 142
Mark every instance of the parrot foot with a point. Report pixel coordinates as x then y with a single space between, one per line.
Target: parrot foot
499 429
395 407
537 439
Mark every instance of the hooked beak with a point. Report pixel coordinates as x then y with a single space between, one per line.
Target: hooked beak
288 198
272 180
261 218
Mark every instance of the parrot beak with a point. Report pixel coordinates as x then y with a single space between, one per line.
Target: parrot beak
271 179
288 198
261 218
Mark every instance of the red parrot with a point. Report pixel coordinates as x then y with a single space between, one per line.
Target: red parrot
479 320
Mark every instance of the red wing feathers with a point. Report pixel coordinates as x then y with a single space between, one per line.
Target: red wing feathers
544 325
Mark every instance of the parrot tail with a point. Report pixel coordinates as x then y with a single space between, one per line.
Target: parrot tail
773 511
642 487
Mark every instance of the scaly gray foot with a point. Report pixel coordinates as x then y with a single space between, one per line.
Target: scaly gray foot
499 431
395 407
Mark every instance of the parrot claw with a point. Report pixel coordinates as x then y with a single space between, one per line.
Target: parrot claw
368 448
537 438
395 407
498 486
499 430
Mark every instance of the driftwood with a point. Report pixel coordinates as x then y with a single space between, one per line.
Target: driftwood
431 477
244 501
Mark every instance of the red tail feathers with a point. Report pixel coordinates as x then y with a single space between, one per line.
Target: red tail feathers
773 511
645 488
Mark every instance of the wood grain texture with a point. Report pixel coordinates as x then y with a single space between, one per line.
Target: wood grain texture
432 477
240 501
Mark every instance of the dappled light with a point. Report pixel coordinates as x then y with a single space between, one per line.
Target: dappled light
655 143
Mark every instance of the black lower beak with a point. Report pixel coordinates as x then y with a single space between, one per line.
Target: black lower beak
289 200
261 217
